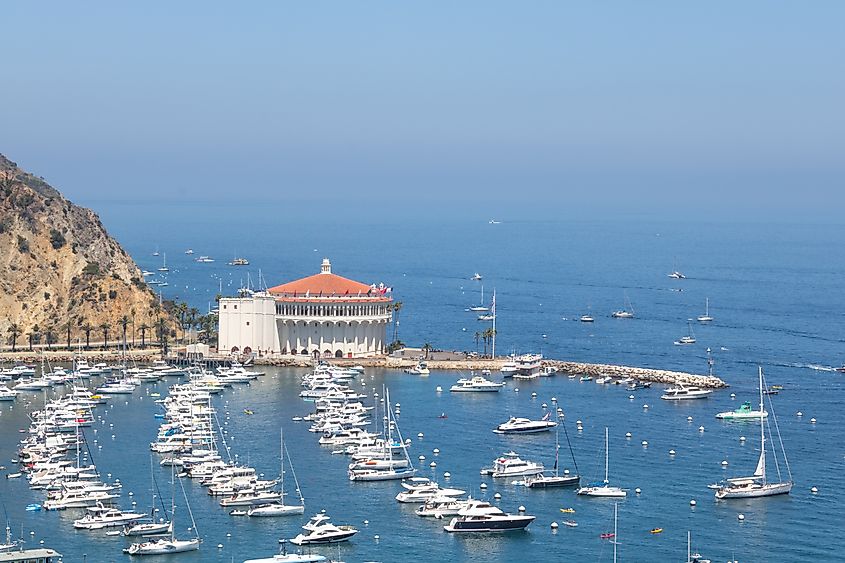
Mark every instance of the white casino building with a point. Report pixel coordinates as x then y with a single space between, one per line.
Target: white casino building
323 314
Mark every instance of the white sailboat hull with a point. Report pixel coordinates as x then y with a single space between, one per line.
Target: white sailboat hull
276 510
753 491
607 492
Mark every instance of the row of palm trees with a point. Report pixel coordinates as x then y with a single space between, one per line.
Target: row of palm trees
486 336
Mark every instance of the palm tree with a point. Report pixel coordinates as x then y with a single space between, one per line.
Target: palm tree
14 330
489 335
132 316
87 328
427 348
144 328
51 337
396 308
161 327
67 328
105 328
124 322
31 335
477 338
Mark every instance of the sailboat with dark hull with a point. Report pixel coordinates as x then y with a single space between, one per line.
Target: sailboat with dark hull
555 479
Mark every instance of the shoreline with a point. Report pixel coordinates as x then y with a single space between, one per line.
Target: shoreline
667 377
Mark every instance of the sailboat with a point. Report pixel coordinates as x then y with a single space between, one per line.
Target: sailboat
280 508
758 485
706 318
392 468
482 307
675 274
603 489
164 267
543 481
627 312
689 338
152 527
693 557
156 252
165 546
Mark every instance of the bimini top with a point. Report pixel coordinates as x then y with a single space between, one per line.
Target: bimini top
328 285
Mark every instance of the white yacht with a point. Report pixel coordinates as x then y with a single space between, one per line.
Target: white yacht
421 489
420 369
476 277
7 394
320 530
476 384
520 425
528 366
509 368
440 506
510 464
481 516
603 488
100 517
675 274
586 318
683 392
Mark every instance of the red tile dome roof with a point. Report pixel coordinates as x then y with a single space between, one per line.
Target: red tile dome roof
325 284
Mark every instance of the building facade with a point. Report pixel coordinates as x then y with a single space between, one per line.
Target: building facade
324 314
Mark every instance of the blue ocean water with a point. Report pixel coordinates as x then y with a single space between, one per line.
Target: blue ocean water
775 292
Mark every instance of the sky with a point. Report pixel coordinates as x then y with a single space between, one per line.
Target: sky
565 109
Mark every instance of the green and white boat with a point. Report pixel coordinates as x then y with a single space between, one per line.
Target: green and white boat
743 412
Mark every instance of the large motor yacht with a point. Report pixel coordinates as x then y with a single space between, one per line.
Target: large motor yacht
481 516
475 384
682 393
511 465
519 425
320 530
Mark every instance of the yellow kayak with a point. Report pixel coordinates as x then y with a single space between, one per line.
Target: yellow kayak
656 530
568 510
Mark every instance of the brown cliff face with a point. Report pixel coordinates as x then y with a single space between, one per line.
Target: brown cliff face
59 267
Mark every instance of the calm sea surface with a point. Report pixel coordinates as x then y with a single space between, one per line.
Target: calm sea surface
776 292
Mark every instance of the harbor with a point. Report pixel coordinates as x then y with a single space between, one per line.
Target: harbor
450 439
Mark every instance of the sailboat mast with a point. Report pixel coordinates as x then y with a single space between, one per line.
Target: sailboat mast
762 429
615 534
493 312
557 443
282 462
606 455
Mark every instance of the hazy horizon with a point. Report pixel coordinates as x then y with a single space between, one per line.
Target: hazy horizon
713 111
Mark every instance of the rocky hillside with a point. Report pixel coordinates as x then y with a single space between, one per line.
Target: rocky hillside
59 267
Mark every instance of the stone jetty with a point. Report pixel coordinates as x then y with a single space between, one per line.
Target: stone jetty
387 362
478 364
